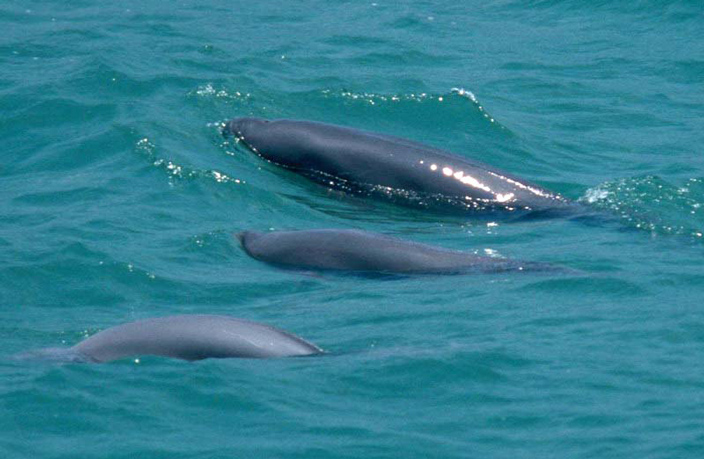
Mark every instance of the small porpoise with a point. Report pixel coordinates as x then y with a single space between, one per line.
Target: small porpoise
187 337
405 171
366 252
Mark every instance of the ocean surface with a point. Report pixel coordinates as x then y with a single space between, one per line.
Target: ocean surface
119 198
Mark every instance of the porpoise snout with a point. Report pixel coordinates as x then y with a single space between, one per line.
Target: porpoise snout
240 127
247 237
232 127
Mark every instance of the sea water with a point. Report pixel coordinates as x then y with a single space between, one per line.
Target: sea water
119 198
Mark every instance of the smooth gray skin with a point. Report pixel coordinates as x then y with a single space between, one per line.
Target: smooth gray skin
187 337
366 252
349 158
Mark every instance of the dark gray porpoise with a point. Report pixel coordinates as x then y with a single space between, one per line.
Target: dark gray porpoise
352 159
187 337
362 251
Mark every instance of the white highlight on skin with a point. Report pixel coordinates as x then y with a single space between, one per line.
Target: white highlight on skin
504 197
469 180
521 185
466 179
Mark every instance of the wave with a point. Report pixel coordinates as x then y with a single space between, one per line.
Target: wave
458 107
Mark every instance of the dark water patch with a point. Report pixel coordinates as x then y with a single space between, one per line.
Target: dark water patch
355 40
59 198
687 71
591 286
412 22
50 114
671 9
402 59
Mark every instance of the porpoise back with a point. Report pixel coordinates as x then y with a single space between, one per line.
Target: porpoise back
187 337
408 171
363 251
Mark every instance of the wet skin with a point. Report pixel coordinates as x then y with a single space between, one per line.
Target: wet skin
367 252
378 164
187 337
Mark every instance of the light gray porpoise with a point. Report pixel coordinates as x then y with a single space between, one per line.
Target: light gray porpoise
187 337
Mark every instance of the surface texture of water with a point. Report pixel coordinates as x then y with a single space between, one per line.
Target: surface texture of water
118 200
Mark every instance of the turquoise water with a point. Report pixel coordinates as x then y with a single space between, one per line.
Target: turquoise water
118 198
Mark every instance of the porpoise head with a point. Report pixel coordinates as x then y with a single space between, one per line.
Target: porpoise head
267 247
244 127
253 132
244 236
247 238
280 141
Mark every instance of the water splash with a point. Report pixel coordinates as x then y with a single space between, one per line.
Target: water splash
177 172
652 204
209 91
373 98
